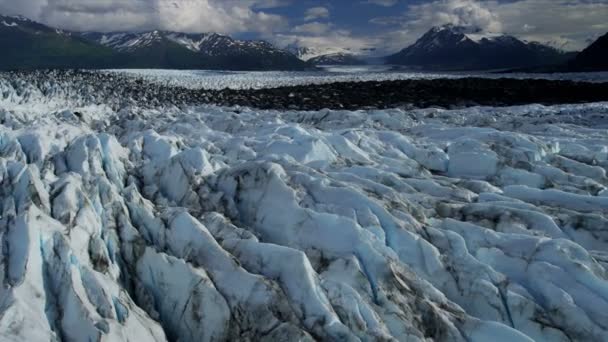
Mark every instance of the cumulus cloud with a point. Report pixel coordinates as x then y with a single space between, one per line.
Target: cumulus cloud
404 29
571 23
316 13
314 28
226 16
457 12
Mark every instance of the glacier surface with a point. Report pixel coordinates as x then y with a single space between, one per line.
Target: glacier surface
216 224
218 80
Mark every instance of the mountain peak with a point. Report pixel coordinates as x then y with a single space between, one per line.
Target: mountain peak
474 33
459 47
459 29
440 37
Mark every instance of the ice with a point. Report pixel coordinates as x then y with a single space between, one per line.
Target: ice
209 79
553 197
208 223
470 159
189 306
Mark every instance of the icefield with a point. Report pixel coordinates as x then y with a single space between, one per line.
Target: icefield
234 224
209 79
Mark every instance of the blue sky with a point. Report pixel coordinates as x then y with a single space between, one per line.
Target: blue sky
352 15
387 25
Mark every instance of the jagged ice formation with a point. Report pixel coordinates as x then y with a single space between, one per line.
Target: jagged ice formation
213 224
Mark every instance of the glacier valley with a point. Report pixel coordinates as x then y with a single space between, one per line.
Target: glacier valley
126 222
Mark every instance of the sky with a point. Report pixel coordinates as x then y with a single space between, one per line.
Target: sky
384 25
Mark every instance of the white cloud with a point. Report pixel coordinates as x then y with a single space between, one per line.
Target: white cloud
457 12
265 4
314 28
420 18
28 8
316 13
226 16
568 21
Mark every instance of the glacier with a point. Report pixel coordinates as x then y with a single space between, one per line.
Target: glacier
204 223
218 80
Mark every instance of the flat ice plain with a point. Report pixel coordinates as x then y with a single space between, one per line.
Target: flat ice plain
233 224
210 79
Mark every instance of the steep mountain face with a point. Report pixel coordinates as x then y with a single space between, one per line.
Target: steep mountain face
27 44
337 59
460 48
593 58
206 50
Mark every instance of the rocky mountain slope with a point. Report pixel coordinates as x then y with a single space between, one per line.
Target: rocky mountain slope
594 57
127 219
26 44
452 47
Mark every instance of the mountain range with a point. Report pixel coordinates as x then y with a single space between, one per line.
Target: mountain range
27 44
330 55
176 50
337 59
452 47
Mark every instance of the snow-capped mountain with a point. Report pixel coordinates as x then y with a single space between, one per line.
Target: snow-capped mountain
125 42
203 50
211 44
331 55
562 44
307 53
456 47
24 24
28 44
337 59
